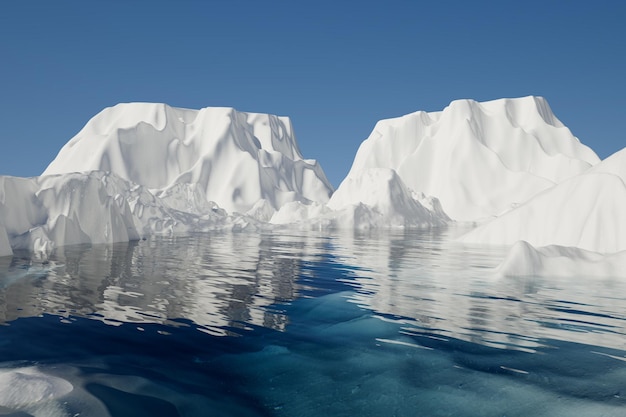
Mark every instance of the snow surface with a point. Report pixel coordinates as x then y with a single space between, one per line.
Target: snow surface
478 159
559 261
586 211
215 154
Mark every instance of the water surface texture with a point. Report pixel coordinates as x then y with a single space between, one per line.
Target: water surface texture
304 324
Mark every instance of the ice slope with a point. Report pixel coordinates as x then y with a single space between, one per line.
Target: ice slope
586 211
478 159
377 198
231 158
559 261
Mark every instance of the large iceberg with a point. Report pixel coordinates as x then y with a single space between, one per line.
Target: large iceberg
138 169
478 159
214 154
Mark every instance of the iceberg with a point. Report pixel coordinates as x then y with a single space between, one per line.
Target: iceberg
138 169
478 159
215 154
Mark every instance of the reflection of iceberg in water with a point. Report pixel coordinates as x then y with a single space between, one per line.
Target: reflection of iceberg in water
220 282
215 281
445 289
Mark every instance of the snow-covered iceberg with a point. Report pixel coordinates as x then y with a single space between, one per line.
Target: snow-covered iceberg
478 159
559 261
587 211
214 154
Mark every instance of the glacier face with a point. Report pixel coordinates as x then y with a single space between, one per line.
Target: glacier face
478 159
225 156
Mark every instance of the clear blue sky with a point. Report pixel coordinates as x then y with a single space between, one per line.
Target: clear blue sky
335 67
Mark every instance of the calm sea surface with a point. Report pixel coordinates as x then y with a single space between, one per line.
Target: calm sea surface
304 324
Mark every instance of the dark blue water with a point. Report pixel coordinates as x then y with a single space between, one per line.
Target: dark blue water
288 324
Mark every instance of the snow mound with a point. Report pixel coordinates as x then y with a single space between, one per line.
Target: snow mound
376 199
478 159
586 211
559 261
231 158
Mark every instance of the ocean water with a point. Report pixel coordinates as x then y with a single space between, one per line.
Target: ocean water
304 324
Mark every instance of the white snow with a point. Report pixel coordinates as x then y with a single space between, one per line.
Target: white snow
587 211
478 159
231 158
559 261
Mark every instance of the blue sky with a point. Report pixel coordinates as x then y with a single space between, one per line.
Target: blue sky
335 67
